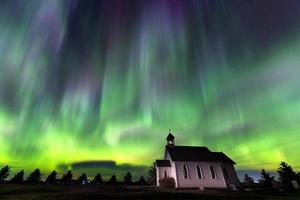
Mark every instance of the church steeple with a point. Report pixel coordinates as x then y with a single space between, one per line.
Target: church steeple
170 139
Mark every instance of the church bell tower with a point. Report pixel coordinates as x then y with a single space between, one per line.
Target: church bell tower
170 139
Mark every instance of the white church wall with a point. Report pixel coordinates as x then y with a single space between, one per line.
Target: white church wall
206 181
173 173
173 170
167 156
232 178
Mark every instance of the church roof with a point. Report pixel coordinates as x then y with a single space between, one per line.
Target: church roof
189 153
163 163
170 137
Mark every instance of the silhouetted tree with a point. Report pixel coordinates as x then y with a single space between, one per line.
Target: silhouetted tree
286 175
248 181
51 179
97 179
67 178
151 178
128 178
4 173
266 179
18 178
113 180
142 181
82 179
34 177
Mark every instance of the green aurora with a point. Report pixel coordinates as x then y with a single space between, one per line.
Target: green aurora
105 80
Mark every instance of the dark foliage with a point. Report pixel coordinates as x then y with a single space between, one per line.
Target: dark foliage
248 181
67 178
286 175
151 178
97 179
34 177
82 179
266 179
112 180
51 179
18 178
128 178
4 173
142 181
167 182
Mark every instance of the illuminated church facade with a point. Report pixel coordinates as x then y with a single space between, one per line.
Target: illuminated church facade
196 167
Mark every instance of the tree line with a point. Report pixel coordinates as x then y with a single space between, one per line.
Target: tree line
35 177
288 178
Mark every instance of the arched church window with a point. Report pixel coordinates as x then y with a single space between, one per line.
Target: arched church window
199 172
185 172
212 172
166 174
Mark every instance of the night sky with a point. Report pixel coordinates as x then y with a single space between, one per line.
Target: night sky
91 80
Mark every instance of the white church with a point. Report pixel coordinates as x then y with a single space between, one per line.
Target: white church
196 167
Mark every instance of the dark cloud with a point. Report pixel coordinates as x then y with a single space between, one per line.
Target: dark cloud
91 164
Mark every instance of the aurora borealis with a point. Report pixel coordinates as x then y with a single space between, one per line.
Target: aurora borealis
88 80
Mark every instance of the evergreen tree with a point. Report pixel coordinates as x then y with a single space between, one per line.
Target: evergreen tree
34 177
142 181
18 178
151 178
286 174
4 173
97 179
128 178
51 179
82 179
113 180
248 181
266 179
67 178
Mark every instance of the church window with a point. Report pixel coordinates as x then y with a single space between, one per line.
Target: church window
212 172
166 174
185 172
199 172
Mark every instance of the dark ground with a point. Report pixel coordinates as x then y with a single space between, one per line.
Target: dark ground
74 192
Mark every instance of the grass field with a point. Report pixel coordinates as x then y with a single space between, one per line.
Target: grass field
76 192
